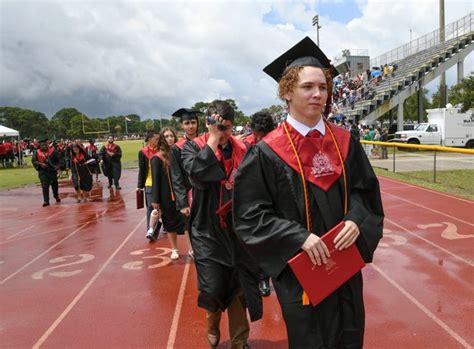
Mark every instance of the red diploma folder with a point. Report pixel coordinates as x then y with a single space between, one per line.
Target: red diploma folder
320 281
140 199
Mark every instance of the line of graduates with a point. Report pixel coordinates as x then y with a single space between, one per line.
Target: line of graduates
83 161
250 208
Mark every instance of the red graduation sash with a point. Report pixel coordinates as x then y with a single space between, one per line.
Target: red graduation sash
319 157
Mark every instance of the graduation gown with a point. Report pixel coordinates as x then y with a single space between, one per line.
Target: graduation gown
269 213
181 183
224 267
81 173
112 164
162 193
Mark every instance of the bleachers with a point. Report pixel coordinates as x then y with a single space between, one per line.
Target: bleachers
413 72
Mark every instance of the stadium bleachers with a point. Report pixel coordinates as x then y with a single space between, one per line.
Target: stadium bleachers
413 73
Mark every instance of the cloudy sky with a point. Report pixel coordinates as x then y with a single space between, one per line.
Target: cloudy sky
153 57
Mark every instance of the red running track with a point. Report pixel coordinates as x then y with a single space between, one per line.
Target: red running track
83 275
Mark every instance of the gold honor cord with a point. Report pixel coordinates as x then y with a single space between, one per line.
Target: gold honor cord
305 298
167 169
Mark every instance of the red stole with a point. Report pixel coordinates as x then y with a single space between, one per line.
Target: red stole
77 158
111 147
149 152
250 140
42 156
180 143
319 158
91 148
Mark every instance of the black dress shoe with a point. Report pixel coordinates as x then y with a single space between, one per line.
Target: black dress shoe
118 188
45 204
264 287
109 186
58 199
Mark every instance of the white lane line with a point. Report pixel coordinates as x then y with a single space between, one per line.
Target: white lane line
426 189
429 209
425 310
179 305
57 213
78 297
470 263
21 231
42 254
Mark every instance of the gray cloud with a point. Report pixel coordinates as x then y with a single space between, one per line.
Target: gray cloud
151 58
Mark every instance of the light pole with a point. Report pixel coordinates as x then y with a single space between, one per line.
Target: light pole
316 24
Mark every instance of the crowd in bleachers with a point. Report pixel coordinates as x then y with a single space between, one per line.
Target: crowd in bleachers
347 91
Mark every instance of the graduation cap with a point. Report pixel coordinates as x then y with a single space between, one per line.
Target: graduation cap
304 53
186 114
44 141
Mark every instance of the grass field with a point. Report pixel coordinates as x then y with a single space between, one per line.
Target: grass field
455 182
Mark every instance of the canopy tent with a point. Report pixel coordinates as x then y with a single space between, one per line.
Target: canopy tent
8 132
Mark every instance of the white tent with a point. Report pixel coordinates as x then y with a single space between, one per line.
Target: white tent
8 132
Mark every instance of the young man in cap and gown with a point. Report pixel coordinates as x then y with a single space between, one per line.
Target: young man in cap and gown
46 161
182 187
296 184
110 155
227 277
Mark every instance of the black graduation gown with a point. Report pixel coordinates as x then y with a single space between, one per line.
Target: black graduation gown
224 267
179 176
49 175
269 213
162 193
112 164
81 174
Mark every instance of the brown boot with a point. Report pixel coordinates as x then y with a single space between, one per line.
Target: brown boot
213 332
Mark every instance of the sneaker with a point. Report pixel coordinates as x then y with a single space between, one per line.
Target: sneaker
58 199
174 254
191 254
149 234
118 188
45 204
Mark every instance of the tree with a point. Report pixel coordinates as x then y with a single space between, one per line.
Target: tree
30 123
149 125
118 129
61 121
410 107
462 93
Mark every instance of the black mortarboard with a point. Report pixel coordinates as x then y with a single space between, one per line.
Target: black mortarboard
304 53
186 114
44 140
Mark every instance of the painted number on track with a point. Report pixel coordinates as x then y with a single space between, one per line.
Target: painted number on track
450 232
161 256
83 258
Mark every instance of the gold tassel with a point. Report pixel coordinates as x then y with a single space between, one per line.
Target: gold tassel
305 298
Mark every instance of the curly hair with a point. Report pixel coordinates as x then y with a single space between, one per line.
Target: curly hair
290 78
262 122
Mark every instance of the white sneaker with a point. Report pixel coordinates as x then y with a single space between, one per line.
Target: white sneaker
149 234
174 254
191 254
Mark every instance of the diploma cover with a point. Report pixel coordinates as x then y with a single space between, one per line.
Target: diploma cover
140 199
320 281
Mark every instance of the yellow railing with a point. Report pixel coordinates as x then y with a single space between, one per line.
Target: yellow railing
422 147
434 148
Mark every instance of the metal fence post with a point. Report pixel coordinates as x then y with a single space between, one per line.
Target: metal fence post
434 168
394 151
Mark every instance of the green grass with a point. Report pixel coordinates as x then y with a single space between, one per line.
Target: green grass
454 182
18 177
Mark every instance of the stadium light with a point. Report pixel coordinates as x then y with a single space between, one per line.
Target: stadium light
316 24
